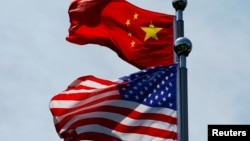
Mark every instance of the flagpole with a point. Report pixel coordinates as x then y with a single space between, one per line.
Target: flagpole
182 47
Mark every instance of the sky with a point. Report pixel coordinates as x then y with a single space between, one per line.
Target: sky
36 62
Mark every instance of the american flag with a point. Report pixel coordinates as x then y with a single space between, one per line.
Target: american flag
138 107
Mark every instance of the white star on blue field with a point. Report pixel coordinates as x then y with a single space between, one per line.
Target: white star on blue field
36 62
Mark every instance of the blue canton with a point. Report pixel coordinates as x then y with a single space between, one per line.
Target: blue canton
154 87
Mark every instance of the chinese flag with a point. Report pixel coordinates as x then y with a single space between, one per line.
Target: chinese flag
141 37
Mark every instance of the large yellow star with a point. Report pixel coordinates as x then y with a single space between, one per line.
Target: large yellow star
151 31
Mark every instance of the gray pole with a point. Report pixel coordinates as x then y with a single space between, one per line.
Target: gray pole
182 47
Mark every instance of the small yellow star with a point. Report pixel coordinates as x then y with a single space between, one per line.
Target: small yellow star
132 43
136 16
127 22
151 31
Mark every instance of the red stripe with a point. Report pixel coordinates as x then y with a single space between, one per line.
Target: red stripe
80 87
96 137
62 111
73 136
124 128
120 110
94 79
81 95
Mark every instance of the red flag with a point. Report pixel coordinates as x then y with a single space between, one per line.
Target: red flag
141 106
141 37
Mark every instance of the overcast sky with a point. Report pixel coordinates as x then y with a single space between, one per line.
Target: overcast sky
36 62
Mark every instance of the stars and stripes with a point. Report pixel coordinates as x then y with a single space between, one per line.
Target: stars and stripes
154 91
141 106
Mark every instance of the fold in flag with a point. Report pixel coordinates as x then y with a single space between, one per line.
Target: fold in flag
141 37
138 107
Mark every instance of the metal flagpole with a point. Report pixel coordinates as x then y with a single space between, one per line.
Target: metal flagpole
182 47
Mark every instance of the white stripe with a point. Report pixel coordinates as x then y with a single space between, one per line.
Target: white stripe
120 135
90 83
127 104
121 119
80 91
73 91
68 104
